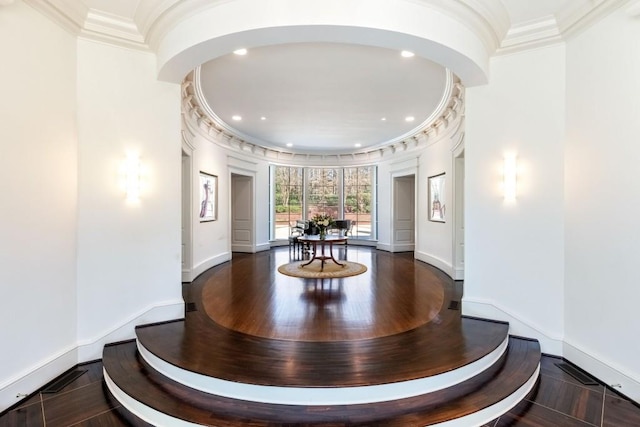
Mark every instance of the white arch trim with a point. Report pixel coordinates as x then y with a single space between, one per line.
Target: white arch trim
461 39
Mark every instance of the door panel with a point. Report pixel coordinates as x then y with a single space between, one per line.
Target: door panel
404 213
242 214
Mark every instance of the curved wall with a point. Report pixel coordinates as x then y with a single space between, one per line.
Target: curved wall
39 180
214 154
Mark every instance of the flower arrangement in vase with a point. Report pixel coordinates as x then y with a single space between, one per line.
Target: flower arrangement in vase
323 221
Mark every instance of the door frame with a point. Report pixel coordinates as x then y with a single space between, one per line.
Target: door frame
252 176
458 210
393 245
186 211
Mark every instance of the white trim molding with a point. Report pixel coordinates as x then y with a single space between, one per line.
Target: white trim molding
439 263
208 263
200 119
603 370
24 383
91 349
549 343
566 23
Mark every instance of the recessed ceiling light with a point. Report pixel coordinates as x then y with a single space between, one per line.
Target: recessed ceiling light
240 51
263 118
236 118
384 119
409 119
358 145
289 144
407 54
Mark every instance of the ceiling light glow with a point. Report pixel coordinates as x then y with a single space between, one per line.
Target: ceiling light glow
358 145
236 118
240 52
409 119
289 144
384 119
263 118
407 54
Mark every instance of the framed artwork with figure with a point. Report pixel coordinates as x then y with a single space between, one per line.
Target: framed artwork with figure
437 206
208 207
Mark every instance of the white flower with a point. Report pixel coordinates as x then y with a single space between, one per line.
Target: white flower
325 222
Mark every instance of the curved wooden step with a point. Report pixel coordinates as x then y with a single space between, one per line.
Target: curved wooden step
162 401
427 351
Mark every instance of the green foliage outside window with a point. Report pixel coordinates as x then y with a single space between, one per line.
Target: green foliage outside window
341 193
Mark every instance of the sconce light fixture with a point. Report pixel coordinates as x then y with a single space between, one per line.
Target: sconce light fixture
132 177
510 175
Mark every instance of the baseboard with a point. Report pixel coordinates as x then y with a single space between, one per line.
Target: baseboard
604 371
252 249
264 247
92 349
405 247
383 247
436 262
207 264
23 384
187 276
37 376
549 343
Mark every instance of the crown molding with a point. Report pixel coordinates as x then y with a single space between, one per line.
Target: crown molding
75 17
112 29
488 19
532 34
555 29
69 14
572 21
198 121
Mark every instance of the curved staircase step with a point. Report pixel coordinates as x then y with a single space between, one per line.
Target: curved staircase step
426 351
162 401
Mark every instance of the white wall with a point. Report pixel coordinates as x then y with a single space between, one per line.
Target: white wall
128 253
38 185
435 239
514 263
211 244
602 186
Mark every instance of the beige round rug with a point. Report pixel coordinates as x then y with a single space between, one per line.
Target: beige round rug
331 269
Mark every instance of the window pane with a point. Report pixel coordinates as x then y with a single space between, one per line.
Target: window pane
323 194
324 189
358 200
288 199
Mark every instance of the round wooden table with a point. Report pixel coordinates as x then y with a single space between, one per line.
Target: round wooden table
320 255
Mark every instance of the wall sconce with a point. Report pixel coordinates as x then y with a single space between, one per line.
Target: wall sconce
510 175
131 169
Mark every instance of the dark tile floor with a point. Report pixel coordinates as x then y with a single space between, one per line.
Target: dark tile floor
559 400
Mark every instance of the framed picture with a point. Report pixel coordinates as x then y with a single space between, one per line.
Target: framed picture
437 206
208 197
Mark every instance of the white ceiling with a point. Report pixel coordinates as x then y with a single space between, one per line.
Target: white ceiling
325 97
322 96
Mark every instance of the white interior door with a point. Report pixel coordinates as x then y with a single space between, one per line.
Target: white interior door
403 214
242 221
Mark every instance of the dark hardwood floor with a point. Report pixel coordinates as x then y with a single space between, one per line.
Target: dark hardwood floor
336 313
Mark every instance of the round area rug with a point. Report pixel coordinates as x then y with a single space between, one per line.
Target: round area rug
331 269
